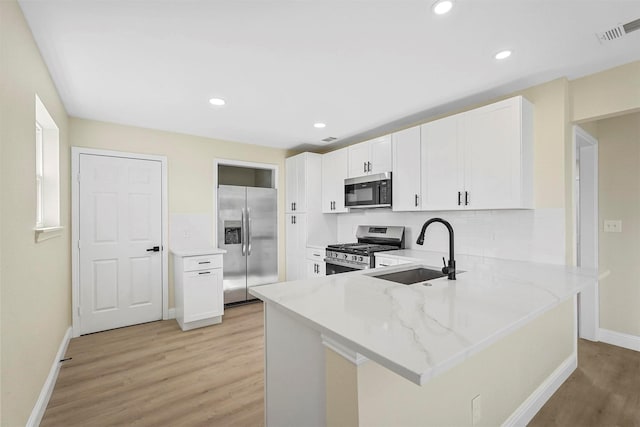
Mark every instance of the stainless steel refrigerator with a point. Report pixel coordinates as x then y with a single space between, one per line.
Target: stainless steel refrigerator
247 229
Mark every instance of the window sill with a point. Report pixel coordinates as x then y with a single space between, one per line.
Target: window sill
46 233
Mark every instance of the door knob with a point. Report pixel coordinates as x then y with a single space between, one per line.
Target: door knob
154 249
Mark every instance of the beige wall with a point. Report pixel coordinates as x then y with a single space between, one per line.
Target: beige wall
189 162
604 104
35 277
619 199
504 375
609 93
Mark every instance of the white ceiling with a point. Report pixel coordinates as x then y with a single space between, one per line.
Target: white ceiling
360 66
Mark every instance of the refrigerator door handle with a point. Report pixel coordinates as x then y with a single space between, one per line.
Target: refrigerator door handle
248 231
242 226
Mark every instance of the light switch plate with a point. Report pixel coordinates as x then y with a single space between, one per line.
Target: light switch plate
613 226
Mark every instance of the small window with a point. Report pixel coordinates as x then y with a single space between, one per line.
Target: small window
39 176
47 169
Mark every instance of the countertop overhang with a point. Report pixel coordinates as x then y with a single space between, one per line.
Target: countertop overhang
422 331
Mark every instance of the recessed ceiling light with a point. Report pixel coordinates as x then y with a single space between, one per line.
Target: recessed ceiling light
217 101
442 6
319 125
503 54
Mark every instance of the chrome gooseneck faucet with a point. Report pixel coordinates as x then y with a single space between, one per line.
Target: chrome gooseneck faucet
450 268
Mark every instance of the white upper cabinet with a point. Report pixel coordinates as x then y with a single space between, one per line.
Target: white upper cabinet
442 171
334 171
480 159
369 157
498 155
407 194
296 179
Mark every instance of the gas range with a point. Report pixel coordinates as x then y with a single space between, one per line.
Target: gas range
358 256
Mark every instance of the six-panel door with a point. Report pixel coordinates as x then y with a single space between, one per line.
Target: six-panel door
120 236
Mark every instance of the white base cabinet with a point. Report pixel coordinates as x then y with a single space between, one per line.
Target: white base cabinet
316 267
198 289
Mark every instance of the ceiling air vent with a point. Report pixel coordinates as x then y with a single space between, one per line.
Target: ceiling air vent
329 139
631 26
618 31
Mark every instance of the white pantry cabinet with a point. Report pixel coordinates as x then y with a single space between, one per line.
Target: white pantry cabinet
296 243
480 159
406 193
369 157
199 297
334 172
297 174
316 266
310 226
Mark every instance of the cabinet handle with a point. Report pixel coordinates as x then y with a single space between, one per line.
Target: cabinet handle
459 195
368 166
466 198
416 200
383 265
294 219
365 167
204 262
205 272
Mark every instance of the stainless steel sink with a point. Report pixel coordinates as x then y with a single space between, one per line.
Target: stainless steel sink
411 276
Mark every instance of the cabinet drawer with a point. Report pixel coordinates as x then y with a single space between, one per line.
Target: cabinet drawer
315 254
385 262
204 262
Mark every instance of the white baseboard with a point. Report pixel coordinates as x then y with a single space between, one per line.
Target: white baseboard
171 314
47 388
530 407
632 342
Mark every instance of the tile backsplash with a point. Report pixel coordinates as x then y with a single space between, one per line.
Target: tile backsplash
526 235
190 231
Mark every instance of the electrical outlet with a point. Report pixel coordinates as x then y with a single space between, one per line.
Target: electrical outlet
476 410
612 226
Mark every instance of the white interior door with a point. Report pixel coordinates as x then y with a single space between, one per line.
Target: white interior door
120 222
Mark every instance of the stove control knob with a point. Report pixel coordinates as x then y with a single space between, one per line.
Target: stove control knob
345 256
360 259
354 258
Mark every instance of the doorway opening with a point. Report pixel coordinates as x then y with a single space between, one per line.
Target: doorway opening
586 226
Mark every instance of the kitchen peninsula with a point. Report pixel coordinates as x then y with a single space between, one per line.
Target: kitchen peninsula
486 349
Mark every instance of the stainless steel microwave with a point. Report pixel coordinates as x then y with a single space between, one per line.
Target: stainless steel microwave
369 191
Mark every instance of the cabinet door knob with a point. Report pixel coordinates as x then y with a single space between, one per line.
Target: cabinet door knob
416 200
467 199
368 166
364 167
154 249
459 195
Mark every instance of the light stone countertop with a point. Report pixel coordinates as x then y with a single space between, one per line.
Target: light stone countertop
198 252
421 331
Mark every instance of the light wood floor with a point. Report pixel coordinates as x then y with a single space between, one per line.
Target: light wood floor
156 375
603 391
